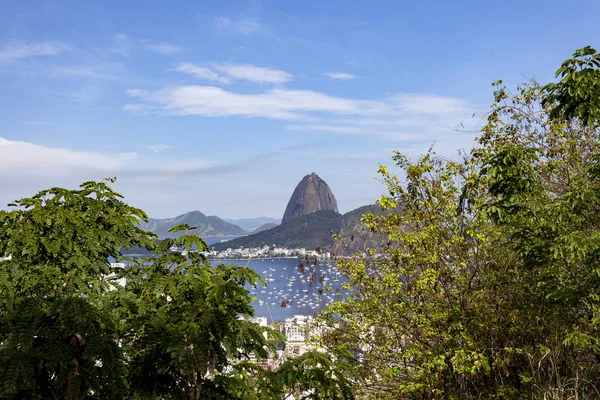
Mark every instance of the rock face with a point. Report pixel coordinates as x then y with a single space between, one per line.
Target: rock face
311 195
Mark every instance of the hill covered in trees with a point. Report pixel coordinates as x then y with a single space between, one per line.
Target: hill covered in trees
264 227
206 226
306 231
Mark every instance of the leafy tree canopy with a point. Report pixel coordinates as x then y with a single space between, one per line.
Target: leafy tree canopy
489 284
75 326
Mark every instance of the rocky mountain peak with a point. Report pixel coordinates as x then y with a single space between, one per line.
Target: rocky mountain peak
312 194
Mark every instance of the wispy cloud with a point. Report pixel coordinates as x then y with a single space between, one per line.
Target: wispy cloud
403 117
226 73
201 72
164 48
121 44
287 104
340 75
29 157
242 26
380 154
253 73
157 148
206 167
397 133
15 51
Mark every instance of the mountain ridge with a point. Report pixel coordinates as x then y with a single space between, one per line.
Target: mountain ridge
316 230
206 226
264 227
306 231
251 224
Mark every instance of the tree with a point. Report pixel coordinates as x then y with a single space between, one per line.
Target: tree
316 376
416 313
182 324
488 284
55 340
577 94
544 185
75 326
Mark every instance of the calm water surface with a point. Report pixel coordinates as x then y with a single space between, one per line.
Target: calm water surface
294 287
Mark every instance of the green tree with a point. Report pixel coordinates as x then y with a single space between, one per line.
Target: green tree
185 322
75 326
544 187
316 376
55 340
577 94
417 313
488 284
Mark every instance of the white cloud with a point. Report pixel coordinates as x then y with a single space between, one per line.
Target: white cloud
33 158
164 48
406 117
244 27
284 104
16 51
201 72
340 75
226 73
253 73
157 148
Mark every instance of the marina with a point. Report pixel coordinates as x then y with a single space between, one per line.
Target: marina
293 286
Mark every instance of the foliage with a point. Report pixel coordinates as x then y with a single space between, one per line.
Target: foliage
488 286
55 342
315 375
416 312
182 318
75 326
577 95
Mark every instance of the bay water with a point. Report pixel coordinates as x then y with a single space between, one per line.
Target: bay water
293 286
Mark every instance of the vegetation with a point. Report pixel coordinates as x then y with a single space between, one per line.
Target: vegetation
305 231
75 326
489 284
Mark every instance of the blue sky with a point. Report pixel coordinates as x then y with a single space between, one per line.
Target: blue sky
223 106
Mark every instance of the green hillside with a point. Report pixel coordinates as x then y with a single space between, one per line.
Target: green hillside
206 226
306 231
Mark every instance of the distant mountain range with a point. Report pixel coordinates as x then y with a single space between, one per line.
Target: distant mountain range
206 226
251 224
264 227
